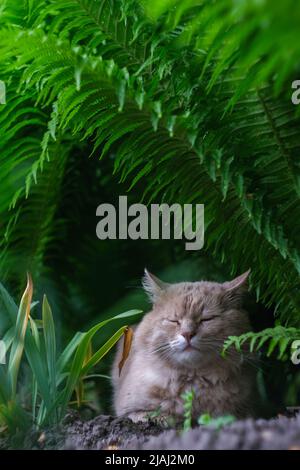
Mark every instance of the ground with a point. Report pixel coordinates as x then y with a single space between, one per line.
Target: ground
107 432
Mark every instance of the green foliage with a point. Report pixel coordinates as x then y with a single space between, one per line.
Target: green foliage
205 419
222 30
217 423
11 413
278 337
56 376
192 104
188 399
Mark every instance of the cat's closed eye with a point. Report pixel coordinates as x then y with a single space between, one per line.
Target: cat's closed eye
171 320
209 318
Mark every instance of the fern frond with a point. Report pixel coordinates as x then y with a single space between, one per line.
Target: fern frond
18 148
160 109
28 153
277 337
221 31
31 227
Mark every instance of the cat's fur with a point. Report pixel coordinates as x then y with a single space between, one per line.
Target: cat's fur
159 368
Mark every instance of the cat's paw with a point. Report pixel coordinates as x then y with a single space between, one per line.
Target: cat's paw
139 416
165 421
146 416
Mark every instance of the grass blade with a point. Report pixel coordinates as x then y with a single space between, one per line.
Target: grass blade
4 386
17 347
67 354
97 356
8 338
50 344
37 365
35 332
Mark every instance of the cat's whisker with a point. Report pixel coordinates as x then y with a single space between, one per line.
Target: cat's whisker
164 353
174 344
234 357
160 349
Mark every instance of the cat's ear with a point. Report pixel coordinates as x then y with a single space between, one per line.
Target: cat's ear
235 289
153 286
240 282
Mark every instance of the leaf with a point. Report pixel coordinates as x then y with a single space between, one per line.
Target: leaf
204 419
37 364
50 344
217 423
35 332
128 337
20 331
77 368
8 305
98 355
67 354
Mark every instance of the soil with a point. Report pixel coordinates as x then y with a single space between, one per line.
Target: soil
108 432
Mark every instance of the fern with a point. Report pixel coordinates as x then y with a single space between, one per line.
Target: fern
188 400
25 156
215 423
190 124
222 30
277 337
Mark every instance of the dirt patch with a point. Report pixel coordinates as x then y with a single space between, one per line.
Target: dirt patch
279 433
101 432
107 432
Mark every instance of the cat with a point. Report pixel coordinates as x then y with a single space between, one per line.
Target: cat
177 347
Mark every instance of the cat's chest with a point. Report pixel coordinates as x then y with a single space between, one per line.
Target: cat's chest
199 383
172 385
209 390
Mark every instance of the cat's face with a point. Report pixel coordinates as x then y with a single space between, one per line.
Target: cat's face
190 321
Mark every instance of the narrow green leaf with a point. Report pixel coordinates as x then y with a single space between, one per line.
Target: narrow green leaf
78 361
97 356
50 344
20 331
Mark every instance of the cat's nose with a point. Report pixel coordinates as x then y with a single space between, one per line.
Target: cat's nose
188 335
